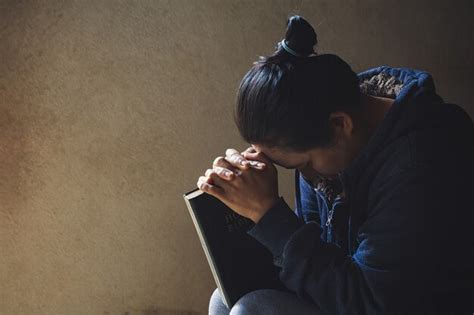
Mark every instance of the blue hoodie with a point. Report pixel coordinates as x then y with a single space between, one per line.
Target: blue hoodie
396 234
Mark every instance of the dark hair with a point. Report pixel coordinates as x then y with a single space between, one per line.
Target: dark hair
285 100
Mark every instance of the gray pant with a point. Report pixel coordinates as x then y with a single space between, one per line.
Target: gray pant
266 301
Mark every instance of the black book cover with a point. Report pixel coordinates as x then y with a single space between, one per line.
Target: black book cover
239 263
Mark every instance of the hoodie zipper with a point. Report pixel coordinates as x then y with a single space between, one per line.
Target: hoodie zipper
331 211
329 220
329 217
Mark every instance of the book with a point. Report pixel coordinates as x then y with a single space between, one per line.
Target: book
239 263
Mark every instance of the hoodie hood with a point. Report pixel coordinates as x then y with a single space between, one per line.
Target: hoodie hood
414 92
417 108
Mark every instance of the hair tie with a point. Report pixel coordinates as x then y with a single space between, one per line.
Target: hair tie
289 50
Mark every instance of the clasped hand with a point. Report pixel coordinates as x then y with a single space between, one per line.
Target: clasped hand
246 182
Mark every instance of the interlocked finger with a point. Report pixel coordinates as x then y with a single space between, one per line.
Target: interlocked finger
250 153
236 159
222 172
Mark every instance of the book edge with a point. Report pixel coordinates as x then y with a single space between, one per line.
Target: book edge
190 195
193 193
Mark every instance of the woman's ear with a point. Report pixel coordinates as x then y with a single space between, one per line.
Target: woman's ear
341 123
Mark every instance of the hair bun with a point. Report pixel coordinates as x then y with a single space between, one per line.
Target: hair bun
300 35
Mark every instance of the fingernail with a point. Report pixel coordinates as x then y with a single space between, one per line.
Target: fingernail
226 173
244 162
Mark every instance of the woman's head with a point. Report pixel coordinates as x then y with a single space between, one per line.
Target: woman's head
291 102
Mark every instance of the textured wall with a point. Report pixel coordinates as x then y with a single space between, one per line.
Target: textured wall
110 110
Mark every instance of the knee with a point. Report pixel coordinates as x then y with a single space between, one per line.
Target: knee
270 301
216 304
251 303
215 297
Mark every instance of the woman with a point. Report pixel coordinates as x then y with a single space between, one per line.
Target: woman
383 174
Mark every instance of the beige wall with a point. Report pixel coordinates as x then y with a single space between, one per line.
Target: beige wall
110 110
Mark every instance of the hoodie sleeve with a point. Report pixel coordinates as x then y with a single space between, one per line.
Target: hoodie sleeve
383 274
